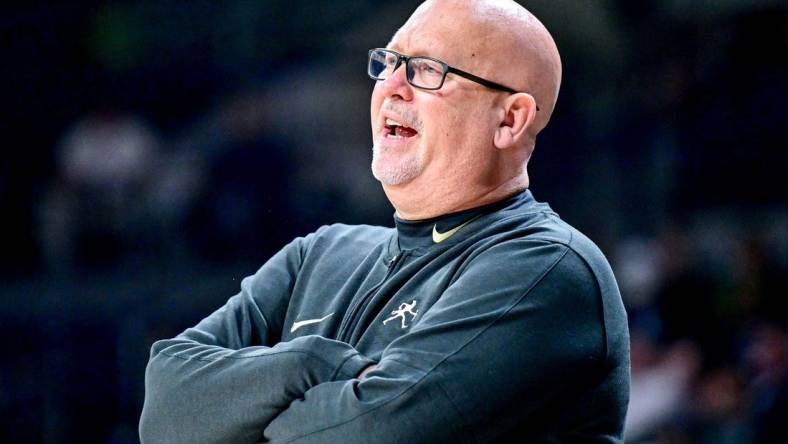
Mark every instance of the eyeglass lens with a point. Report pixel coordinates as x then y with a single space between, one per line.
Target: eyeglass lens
421 72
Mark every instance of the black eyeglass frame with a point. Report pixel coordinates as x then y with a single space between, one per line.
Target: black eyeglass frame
446 70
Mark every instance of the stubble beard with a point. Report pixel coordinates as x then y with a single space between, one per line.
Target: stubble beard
395 173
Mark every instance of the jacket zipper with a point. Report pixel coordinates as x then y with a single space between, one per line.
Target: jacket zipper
361 303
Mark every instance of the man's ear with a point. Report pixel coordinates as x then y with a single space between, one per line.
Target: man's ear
519 113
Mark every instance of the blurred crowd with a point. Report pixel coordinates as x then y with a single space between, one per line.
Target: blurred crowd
709 343
169 152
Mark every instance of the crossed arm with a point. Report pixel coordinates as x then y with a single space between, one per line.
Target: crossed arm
217 383
200 393
455 376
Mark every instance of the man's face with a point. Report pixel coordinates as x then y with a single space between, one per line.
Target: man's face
432 138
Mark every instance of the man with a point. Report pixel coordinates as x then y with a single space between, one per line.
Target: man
482 317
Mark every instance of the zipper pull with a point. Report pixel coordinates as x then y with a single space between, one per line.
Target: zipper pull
393 259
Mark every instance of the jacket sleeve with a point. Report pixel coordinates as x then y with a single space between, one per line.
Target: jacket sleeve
221 382
518 331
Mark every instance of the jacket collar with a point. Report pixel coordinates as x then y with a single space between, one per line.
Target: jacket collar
448 228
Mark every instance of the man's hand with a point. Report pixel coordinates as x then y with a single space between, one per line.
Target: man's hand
364 372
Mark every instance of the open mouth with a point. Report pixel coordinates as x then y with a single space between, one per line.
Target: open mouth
396 130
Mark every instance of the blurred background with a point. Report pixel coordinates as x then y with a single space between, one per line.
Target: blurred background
158 152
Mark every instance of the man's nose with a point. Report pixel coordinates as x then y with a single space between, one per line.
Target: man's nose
396 84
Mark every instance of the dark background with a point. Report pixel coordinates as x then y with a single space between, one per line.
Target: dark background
155 153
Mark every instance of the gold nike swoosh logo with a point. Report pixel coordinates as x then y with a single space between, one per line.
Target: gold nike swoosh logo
299 324
440 237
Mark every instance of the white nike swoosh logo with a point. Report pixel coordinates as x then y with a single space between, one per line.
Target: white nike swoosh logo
299 324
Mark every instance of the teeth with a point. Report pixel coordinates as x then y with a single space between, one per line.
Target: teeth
392 122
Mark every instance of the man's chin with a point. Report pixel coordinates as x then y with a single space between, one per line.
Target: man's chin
393 167
394 175
391 178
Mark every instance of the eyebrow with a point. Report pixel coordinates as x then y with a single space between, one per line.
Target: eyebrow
415 53
421 50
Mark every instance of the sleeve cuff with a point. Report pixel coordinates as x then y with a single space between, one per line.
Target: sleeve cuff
352 366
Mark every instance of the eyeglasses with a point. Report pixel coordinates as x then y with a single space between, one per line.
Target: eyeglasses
420 71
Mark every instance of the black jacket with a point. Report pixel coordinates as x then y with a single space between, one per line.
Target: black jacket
510 328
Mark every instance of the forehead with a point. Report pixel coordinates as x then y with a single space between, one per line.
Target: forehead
448 36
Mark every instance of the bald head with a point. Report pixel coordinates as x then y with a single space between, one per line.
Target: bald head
502 41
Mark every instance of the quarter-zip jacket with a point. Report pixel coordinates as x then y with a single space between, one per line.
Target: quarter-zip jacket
510 328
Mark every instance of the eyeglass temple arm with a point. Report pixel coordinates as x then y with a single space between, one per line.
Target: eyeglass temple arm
485 82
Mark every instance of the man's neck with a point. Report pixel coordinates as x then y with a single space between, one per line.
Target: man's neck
432 203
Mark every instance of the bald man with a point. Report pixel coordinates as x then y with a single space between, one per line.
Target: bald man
480 317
